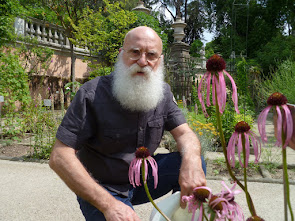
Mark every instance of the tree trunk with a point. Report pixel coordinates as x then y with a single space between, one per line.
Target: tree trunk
73 69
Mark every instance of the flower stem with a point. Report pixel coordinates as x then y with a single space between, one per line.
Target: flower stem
223 144
148 192
245 174
287 201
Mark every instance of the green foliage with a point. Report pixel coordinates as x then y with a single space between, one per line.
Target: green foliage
8 10
278 49
37 120
72 88
103 31
230 118
15 73
243 83
283 81
100 71
14 80
195 48
209 50
144 19
39 10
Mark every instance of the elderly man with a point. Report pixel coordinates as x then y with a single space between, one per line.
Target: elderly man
113 115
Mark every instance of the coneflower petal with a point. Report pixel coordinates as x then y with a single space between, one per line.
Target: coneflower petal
231 149
240 149
289 126
261 123
208 89
279 126
222 92
247 148
235 93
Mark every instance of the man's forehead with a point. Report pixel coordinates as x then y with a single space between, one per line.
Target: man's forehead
140 38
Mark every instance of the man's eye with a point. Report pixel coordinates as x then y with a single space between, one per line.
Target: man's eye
151 55
135 52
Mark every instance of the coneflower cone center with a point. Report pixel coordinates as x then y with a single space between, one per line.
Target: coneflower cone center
215 64
242 127
201 194
142 152
277 99
255 218
218 206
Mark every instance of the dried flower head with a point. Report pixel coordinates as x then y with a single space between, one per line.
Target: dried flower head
242 127
142 152
277 99
215 64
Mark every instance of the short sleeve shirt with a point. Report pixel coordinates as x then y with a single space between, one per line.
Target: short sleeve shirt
106 135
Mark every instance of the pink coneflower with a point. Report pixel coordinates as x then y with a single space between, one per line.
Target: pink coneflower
216 70
219 206
235 211
197 199
242 128
142 154
278 101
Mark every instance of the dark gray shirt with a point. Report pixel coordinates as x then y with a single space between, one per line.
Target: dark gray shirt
106 135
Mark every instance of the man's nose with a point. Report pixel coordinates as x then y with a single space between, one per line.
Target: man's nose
142 61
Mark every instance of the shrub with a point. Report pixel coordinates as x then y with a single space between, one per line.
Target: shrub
230 118
283 81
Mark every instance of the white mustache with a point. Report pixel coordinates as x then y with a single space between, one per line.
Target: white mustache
136 68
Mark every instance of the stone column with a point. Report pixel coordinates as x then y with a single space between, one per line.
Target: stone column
140 7
179 57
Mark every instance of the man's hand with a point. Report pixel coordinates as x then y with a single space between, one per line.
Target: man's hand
191 176
191 172
120 212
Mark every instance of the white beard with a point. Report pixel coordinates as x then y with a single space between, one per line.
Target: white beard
138 93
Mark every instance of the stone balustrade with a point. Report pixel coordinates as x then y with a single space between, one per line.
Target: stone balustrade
47 34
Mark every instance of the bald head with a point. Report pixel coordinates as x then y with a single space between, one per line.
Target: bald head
143 33
145 41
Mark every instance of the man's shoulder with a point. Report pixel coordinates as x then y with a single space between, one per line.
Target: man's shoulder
96 83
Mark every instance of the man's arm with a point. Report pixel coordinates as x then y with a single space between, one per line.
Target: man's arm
191 173
64 162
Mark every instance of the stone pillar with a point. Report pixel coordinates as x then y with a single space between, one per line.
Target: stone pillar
181 83
140 7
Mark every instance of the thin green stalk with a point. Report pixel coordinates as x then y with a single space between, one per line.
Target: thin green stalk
223 144
212 217
287 202
245 173
148 192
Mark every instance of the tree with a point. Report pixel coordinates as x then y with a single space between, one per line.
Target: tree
103 31
195 48
69 13
8 10
245 27
192 12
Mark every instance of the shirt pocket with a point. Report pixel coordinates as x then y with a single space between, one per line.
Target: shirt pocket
115 140
155 130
